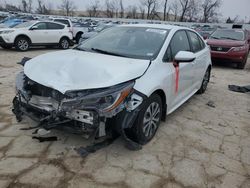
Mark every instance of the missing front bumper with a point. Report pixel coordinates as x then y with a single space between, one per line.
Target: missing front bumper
77 122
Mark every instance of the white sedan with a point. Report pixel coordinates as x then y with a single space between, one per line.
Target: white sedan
127 78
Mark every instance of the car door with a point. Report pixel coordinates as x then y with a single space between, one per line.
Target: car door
38 33
55 32
197 46
183 74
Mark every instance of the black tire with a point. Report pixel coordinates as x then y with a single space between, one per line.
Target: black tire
22 44
6 46
64 43
205 82
242 64
141 131
78 37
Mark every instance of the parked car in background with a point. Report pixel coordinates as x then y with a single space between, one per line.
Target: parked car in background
206 32
127 79
12 21
248 34
35 33
230 45
98 29
77 29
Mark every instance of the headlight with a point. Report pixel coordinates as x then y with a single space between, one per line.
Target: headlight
115 101
6 31
104 100
240 48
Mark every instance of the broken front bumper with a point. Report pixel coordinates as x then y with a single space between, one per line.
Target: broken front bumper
84 112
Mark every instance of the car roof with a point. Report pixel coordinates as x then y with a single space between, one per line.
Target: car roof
47 21
66 19
156 26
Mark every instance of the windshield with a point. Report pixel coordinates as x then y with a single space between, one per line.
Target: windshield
133 42
228 34
23 25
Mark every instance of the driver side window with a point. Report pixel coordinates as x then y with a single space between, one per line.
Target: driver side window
178 43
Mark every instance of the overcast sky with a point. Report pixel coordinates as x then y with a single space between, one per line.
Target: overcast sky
230 8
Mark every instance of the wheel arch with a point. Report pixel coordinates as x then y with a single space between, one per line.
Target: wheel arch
63 37
23 35
162 94
209 68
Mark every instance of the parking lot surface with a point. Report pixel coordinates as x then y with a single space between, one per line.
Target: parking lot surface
198 146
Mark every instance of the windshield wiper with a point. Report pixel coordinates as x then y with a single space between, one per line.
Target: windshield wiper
78 48
107 52
215 37
228 38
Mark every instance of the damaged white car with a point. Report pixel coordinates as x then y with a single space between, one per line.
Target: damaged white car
127 79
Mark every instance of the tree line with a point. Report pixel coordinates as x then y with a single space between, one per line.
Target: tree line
178 10
166 10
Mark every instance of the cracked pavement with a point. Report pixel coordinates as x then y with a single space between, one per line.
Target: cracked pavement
197 147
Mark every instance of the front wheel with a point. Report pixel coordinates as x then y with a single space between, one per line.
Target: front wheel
148 120
205 82
22 44
64 43
242 64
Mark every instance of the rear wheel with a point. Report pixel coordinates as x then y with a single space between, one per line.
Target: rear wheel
22 44
64 43
148 120
205 82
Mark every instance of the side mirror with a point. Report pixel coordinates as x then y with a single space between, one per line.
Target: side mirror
184 57
34 28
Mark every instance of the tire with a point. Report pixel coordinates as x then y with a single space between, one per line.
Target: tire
242 64
78 37
205 82
22 44
64 43
145 127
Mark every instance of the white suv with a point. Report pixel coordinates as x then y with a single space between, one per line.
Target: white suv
35 33
127 78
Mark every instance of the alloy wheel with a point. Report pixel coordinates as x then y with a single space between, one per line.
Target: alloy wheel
151 119
23 44
65 44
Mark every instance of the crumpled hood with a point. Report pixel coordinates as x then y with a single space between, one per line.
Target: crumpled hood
78 70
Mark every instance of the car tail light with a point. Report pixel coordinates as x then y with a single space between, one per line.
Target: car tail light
240 48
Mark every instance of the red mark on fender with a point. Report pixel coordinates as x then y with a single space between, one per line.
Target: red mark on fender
177 72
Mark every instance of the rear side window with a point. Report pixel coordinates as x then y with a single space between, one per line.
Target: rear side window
65 22
178 43
41 26
195 42
55 26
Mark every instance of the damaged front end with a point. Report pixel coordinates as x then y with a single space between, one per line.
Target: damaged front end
87 112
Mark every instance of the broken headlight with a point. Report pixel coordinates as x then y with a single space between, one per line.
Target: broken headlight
104 100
